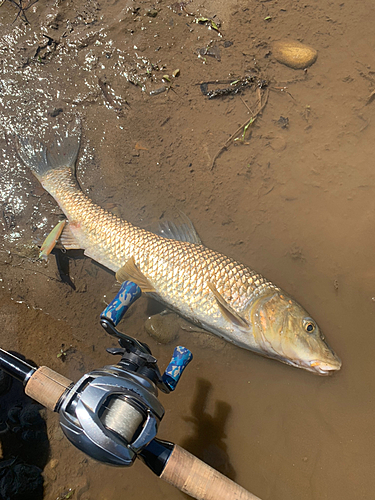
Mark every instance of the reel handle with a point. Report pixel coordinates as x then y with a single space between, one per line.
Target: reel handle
129 292
180 359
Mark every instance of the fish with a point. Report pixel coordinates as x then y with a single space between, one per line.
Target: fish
209 289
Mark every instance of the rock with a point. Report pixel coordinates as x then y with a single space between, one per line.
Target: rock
294 54
163 327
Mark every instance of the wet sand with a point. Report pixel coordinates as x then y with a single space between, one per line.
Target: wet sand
294 202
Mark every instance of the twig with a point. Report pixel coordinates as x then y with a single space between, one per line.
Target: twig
282 89
261 106
21 8
248 108
370 98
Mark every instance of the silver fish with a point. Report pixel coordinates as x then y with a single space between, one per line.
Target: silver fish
214 291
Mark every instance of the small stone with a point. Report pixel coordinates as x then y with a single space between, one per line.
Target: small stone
294 54
55 112
151 13
162 327
53 463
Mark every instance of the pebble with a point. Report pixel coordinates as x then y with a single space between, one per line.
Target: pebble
53 463
294 54
162 327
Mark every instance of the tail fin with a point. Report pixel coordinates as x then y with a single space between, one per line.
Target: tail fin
63 153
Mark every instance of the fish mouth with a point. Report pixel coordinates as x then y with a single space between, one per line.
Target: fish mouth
324 367
317 366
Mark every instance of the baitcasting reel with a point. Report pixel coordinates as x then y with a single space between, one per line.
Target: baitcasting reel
113 413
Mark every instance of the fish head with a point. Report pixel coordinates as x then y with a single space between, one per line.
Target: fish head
285 331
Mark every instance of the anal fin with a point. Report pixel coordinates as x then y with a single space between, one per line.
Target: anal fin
68 240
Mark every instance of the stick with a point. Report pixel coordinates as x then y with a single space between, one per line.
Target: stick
261 106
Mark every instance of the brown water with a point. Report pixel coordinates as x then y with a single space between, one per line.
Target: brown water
296 204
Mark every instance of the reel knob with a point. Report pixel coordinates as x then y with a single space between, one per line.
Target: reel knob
180 359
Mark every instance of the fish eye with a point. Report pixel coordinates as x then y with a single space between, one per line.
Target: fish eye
309 325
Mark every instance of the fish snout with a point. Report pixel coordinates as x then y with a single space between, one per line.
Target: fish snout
326 367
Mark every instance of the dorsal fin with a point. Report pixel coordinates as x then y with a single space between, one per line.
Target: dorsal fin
131 272
182 230
227 311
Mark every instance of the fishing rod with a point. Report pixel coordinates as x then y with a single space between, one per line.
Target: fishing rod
112 414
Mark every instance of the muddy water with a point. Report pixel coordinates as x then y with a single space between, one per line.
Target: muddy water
296 203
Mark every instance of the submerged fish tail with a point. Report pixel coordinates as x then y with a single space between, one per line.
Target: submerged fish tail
61 155
54 167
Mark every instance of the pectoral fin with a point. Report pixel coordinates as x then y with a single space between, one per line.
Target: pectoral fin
131 272
227 311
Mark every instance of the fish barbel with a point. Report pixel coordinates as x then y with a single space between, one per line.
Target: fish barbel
214 291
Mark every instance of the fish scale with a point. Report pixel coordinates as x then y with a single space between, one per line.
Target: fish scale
206 287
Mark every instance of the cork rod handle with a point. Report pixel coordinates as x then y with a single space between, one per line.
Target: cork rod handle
192 476
47 386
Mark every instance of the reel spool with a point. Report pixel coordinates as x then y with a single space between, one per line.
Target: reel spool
122 418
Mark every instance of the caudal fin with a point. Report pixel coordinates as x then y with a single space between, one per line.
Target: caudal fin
61 154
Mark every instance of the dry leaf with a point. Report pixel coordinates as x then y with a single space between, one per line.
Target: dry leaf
139 147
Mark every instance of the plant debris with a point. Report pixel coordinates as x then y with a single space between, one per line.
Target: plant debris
233 88
22 6
261 104
283 122
212 51
209 22
370 98
105 88
66 495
